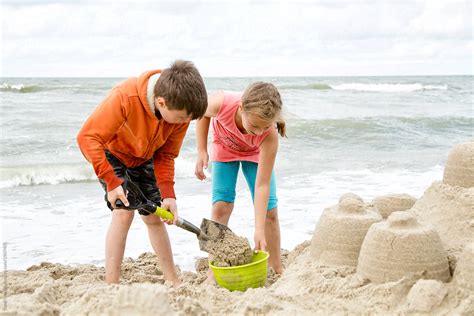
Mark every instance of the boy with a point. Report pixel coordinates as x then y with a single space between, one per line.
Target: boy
134 135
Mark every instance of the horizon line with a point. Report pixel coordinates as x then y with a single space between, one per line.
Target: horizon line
262 76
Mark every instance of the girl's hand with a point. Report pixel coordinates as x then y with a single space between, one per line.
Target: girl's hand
117 194
201 164
260 241
170 205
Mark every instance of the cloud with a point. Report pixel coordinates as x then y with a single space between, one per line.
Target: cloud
120 38
444 19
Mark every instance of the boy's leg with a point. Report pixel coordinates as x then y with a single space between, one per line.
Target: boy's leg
144 177
272 225
115 243
161 245
117 234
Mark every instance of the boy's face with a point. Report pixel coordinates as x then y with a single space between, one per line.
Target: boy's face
171 116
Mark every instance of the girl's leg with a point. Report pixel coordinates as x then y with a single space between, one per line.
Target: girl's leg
272 225
221 212
161 245
224 179
272 235
115 244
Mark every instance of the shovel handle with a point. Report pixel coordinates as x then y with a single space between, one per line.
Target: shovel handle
163 213
182 223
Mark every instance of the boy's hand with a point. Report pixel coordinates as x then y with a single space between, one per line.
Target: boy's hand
116 194
260 241
201 164
170 205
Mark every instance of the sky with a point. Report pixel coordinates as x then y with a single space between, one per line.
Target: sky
104 38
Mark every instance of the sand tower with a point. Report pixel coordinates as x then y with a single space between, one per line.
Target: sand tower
340 231
449 205
400 247
464 273
387 204
459 168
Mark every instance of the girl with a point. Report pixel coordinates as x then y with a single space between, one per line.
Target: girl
245 132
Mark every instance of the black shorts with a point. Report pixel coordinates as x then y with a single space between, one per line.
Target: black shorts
139 182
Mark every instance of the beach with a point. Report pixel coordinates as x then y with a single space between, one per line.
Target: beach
370 137
307 286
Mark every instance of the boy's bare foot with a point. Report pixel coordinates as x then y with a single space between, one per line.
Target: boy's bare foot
174 283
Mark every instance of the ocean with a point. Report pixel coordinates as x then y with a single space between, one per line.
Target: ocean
367 135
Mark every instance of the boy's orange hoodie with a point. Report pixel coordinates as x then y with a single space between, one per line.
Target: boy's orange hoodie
126 125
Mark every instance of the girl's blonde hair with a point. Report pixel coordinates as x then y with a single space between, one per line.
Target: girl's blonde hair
264 100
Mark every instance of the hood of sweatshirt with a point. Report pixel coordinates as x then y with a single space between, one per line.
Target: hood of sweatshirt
145 86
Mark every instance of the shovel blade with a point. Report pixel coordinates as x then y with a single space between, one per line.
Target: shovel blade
211 231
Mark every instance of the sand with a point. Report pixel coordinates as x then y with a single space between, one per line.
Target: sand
229 251
459 170
330 244
390 203
306 288
400 247
450 209
412 278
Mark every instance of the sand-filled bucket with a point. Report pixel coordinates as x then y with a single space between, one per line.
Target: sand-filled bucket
401 247
340 231
240 278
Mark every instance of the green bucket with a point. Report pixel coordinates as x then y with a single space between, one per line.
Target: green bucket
240 278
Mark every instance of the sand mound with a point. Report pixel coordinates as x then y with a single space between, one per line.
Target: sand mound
459 169
387 204
400 247
340 231
450 209
464 274
426 295
350 195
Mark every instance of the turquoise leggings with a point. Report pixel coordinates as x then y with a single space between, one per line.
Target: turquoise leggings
224 180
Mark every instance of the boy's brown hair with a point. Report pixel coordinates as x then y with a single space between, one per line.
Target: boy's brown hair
182 87
264 100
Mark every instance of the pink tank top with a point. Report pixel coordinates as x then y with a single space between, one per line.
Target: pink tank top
228 143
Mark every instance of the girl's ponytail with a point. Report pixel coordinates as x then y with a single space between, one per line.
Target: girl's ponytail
281 127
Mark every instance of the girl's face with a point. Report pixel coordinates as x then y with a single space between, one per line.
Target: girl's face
255 125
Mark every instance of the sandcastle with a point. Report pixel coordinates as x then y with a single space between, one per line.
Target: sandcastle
449 205
464 273
387 204
401 247
340 231
459 168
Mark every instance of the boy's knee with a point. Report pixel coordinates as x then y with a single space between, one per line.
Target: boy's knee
123 217
152 220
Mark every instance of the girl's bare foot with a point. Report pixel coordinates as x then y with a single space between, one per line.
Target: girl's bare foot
210 278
